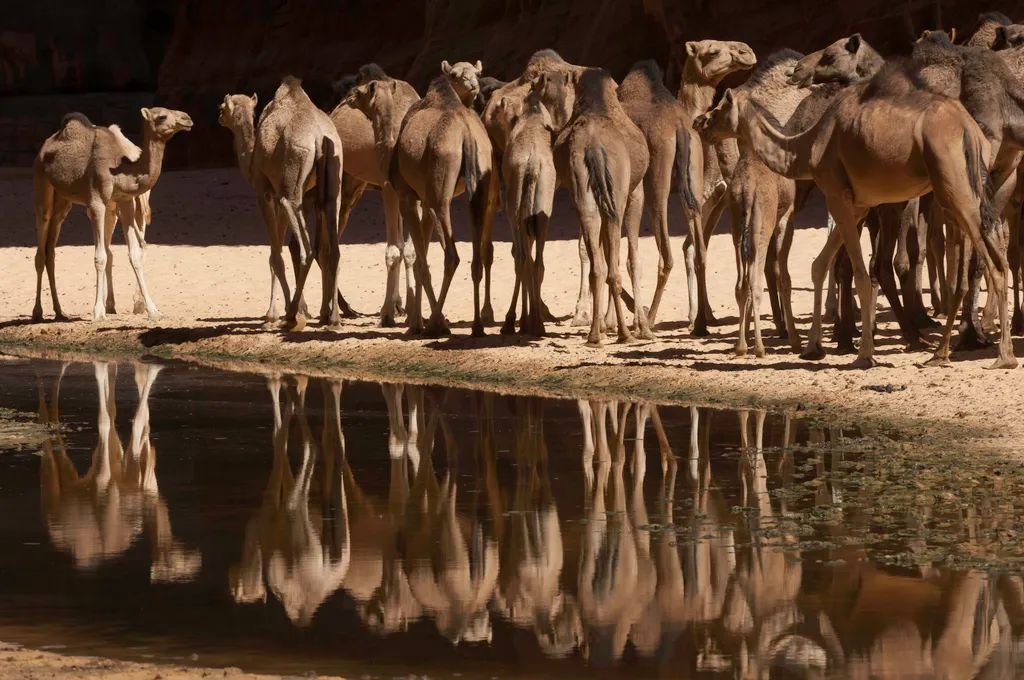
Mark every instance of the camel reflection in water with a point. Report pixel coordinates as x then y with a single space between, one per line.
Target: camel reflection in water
303 555
694 572
96 517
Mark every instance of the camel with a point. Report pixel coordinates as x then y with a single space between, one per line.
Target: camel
366 165
989 28
488 86
1008 37
98 516
762 204
98 168
303 563
294 148
675 151
887 128
602 157
708 62
465 80
994 96
530 180
439 140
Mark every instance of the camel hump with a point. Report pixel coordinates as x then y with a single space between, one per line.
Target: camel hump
128 149
75 120
290 88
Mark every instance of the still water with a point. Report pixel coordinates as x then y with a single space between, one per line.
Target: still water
297 524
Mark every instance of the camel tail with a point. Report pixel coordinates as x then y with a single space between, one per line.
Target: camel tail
599 180
470 166
528 206
683 174
747 237
981 187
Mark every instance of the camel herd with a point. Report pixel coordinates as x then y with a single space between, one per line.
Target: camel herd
654 556
924 151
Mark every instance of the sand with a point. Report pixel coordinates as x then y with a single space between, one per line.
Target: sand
207 270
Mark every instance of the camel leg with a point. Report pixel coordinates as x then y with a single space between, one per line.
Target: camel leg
631 219
139 230
832 296
918 262
392 259
658 187
441 216
290 211
514 189
611 239
135 240
487 312
1014 252
420 226
893 229
541 312
590 228
848 219
958 275
277 272
819 271
771 280
784 241
332 231
351 192
49 219
583 301
109 224
97 211
845 327
739 213
703 317
481 210
972 335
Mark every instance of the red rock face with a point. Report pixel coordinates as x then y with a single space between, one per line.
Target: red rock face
193 53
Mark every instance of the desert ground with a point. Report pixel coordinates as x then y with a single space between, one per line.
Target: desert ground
207 271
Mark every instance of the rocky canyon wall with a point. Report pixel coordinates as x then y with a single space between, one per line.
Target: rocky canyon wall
107 57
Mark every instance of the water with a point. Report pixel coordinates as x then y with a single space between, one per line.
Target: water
287 525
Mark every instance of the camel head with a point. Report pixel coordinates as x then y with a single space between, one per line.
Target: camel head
556 94
1008 36
165 123
465 78
938 37
836 63
722 122
509 110
237 110
373 98
715 59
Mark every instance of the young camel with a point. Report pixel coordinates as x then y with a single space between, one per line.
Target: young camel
675 151
365 166
882 142
707 63
438 139
99 168
294 149
530 181
602 157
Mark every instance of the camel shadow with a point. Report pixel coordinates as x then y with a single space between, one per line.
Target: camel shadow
153 337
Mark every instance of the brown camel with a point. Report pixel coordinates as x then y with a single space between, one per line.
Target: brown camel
882 142
530 181
707 63
439 140
365 166
465 80
488 86
675 151
99 168
294 148
602 157
987 33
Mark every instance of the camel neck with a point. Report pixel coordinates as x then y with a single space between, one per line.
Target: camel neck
787 156
245 143
147 168
696 92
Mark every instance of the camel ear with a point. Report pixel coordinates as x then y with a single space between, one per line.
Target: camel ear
952 35
478 66
254 99
502 103
147 114
446 68
729 97
853 44
394 86
691 49
371 89
924 34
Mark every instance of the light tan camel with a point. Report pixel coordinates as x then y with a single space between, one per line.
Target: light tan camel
99 168
882 142
602 157
530 182
365 165
762 203
676 152
303 560
707 63
98 516
442 150
465 79
294 148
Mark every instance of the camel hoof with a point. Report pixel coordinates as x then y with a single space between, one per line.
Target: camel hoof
627 339
1017 327
111 309
437 330
1004 362
759 352
37 316
545 313
156 316
645 334
741 352
938 360
295 325
971 340
925 321
595 344
476 332
413 331
139 307
487 315
713 321
699 332
387 322
863 363
509 327
846 347
580 319
813 352
350 313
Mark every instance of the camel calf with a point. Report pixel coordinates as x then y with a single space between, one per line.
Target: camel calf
530 181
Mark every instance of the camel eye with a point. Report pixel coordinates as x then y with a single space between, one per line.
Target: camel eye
161 118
